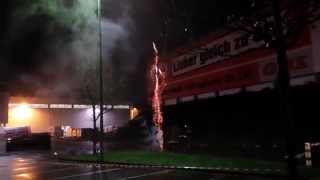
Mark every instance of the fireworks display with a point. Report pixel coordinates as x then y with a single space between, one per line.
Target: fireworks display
158 77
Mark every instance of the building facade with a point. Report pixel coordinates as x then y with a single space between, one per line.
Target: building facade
44 115
221 92
227 62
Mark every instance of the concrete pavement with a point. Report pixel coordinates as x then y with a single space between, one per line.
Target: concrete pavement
38 166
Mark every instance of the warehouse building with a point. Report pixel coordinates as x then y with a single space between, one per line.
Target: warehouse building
71 116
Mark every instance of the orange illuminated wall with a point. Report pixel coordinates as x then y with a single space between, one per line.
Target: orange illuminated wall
42 115
24 115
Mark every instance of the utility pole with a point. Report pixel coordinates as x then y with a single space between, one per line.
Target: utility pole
284 91
100 78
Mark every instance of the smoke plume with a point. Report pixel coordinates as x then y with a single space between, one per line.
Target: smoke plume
61 40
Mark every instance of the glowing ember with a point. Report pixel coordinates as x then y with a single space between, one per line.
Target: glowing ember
159 83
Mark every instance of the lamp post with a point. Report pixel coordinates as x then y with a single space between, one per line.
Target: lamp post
100 77
284 89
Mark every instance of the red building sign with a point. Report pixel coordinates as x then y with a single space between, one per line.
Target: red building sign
231 61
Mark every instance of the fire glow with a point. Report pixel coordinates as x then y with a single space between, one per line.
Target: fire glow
22 112
158 77
20 115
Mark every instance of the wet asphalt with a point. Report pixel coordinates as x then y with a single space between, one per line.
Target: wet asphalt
40 166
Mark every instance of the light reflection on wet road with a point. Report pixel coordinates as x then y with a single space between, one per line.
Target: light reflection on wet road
39 167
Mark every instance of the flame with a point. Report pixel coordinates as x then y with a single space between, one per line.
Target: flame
159 83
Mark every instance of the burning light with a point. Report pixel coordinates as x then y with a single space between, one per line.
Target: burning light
20 115
159 83
22 112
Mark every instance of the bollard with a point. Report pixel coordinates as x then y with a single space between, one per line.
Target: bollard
307 154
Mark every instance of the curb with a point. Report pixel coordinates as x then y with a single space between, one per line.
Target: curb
269 173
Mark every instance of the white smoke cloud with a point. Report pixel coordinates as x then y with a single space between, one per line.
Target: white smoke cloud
74 57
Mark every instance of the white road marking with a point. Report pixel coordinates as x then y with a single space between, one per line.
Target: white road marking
57 170
73 164
87 174
148 174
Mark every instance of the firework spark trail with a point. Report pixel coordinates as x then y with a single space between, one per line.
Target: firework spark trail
158 77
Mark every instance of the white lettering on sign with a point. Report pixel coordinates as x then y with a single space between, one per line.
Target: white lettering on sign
214 52
300 63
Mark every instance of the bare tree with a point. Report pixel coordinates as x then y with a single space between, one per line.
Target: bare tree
89 88
278 24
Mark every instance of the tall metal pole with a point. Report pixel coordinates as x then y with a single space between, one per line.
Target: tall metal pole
94 129
284 89
100 78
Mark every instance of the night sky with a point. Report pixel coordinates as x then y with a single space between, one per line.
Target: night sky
28 43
